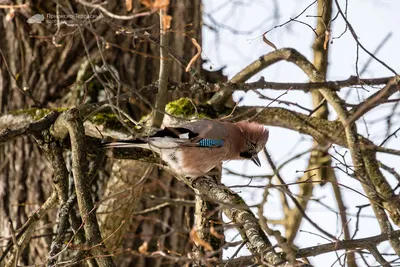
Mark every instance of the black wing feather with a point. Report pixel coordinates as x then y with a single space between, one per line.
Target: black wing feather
174 132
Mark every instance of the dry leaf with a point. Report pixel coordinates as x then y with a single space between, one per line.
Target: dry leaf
10 16
128 5
166 22
195 56
215 233
198 241
327 36
268 42
143 249
147 3
157 4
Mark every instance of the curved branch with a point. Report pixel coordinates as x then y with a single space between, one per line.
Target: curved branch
354 244
391 87
26 231
70 122
261 63
27 128
161 96
248 224
262 84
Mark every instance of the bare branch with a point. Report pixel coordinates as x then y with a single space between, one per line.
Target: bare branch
161 99
26 231
70 121
354 244
37 126
249 227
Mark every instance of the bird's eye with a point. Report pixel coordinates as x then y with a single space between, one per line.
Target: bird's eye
246 155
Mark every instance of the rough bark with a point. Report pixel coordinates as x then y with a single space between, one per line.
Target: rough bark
37 63
147 232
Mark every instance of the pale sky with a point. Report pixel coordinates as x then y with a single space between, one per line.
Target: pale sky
372 20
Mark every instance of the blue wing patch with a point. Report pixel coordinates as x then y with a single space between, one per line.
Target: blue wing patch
210 143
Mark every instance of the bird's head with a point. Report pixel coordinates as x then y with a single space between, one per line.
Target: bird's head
255 136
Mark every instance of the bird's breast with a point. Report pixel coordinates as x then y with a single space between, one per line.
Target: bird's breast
193 161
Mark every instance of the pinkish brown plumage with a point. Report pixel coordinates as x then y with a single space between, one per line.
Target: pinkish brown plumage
195 148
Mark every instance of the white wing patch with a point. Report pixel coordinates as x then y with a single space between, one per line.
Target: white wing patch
184 136
163 143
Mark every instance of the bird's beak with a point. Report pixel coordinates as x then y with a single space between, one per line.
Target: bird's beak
256 160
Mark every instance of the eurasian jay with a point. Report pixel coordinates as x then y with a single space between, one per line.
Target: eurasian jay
195 148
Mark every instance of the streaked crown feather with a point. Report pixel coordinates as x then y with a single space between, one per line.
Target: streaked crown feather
254 133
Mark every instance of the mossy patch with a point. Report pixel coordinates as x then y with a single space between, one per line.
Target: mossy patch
185 107
182 107
238 201
110 120
35 113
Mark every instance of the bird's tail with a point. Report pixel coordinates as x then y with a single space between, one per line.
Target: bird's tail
126 144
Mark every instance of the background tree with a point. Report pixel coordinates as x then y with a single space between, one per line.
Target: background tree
122 69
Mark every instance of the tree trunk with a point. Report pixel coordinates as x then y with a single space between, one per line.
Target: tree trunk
38 70
146 232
